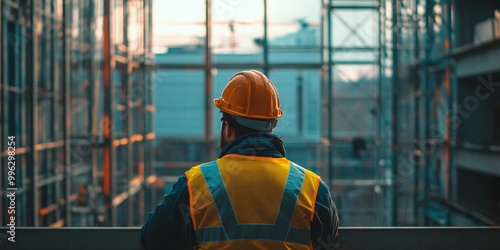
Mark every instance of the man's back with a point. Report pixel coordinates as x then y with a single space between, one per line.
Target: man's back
253 201
252 197
251 193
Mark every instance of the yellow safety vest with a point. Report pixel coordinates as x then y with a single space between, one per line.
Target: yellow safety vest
252 202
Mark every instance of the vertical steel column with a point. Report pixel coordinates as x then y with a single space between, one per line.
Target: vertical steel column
394 104
148 196
54 81
265 45
109 167
151 96
66 27
93 121
127 79
429 4
300 116
378 130
454 24
416 55
143 119
330 94
450 89
208 80
32 101
323 14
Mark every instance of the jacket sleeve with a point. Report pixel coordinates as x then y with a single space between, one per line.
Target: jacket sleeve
169 226
325 225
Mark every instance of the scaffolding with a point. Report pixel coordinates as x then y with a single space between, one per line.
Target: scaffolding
395 103
76 92
354 110
445 122
355 59
387 146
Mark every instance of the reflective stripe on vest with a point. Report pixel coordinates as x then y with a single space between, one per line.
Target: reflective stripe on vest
232 230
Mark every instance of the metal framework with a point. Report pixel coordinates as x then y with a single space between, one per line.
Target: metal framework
355 113
76 94
331 154
445 123
410 109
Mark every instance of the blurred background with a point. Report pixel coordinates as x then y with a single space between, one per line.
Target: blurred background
394 103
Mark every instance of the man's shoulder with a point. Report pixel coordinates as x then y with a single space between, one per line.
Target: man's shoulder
306 170
196 172
202 165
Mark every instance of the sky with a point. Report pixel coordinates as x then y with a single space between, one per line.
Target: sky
180 22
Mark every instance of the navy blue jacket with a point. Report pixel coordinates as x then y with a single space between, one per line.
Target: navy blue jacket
169 226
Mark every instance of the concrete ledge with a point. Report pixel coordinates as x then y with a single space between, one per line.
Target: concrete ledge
474 60
349 238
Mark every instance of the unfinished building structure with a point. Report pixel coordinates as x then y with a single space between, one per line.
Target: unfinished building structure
76 92
395 103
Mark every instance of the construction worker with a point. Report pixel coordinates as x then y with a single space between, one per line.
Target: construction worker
251 197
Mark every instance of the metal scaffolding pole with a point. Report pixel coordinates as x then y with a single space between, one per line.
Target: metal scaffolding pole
126 71
394 123
379 113
143 112
265 44
330 94
416 55
93 117
450 87
150 157
109 163
428 88
208 81
66 26
32 80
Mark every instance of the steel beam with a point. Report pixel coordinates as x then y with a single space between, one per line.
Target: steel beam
477 60
208 80
265 43
109 163
479 161
56 117
127 85
93 116
428 89
163 66
32 105
351 6
394 111
450 84
416 124
379 151
66 116
330 94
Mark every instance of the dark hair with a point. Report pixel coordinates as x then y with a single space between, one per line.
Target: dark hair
239 129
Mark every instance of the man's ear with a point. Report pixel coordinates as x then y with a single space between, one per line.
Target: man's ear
275 123
229 131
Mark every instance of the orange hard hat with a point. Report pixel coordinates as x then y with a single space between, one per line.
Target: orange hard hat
250 94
